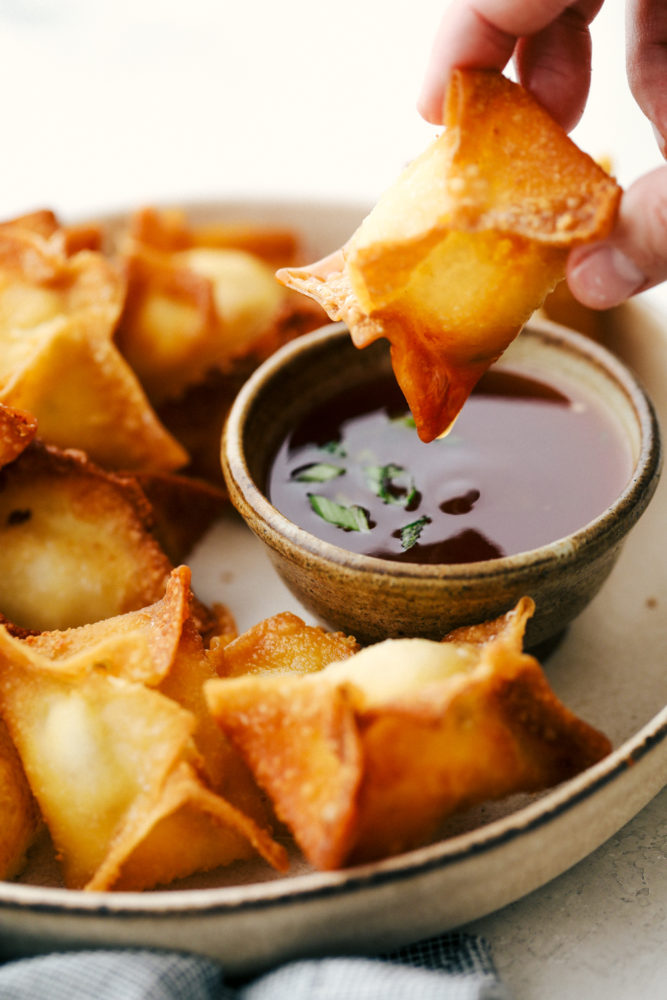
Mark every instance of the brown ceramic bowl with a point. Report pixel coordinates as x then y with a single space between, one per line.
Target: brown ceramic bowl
373 598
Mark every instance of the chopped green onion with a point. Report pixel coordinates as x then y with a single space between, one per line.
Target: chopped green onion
411 532
391 483
317 472
334 448
349 517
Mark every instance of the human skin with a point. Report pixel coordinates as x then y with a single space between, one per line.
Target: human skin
549 43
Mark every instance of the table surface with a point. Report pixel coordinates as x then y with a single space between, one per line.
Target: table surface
116 104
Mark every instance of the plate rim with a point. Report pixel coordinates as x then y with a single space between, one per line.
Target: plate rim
315 885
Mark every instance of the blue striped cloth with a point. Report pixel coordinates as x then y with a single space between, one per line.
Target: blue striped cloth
453 966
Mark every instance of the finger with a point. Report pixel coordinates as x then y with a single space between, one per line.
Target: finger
646 32
555 64
483 34
464 38
634 257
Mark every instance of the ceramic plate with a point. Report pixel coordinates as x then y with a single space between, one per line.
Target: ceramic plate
609 668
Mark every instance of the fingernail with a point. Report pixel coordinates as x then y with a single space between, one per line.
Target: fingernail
605 277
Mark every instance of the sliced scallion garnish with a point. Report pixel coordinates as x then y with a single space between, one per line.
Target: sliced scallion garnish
317 472
350 517
391 483
334 448
411 532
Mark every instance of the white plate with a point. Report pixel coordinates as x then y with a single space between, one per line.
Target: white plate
609 669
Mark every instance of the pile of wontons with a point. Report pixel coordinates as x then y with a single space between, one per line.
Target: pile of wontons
150 755
122 349
130 344
139 734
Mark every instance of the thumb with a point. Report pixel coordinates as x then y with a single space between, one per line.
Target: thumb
634 256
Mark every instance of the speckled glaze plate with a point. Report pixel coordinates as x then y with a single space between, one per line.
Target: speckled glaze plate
609 668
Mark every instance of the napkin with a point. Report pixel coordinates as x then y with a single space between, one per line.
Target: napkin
453 966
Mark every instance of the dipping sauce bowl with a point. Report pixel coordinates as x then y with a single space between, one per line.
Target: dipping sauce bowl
375 598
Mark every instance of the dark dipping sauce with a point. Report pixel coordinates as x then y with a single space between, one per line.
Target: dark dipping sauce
525 463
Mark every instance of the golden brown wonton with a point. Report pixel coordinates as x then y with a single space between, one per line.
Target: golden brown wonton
127 767
76 543
59 306
202 309
170 231
79 543
139 645
281 644
20 816
68 239
367 757
203 298
456 256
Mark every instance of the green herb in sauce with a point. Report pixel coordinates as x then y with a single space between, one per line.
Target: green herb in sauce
334 448
350 517
317 472
391 483
411 532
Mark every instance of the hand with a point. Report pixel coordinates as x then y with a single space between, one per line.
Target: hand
549 41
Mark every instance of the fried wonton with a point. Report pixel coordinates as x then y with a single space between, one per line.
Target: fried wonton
115 755
474 234
20 816
281 644
140 645
201 299
76 543
170 231
68 239
369 756
223 768
160 646
58 361
189 829
82 736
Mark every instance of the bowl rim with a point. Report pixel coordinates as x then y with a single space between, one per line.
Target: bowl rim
254 506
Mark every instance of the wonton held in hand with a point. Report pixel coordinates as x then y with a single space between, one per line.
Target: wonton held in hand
468 242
